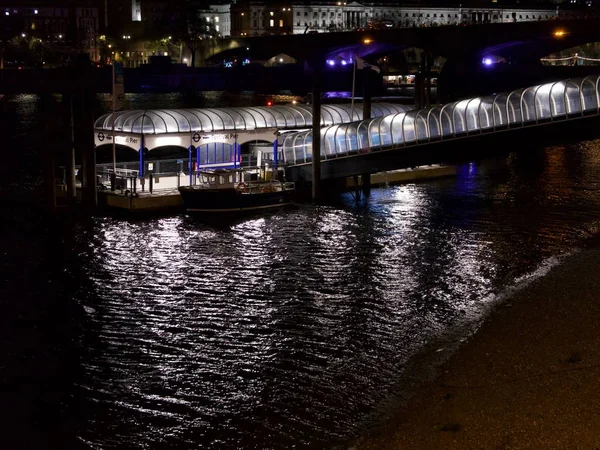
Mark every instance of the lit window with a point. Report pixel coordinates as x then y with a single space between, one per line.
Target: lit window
217 28
280 22
271 23
216 19
271 13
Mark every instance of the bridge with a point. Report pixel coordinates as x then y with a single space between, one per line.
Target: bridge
523 40
404 139
520 44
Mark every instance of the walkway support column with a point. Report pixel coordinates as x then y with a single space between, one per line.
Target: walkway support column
191 163
275 151
368 76
83 124
316 132
70 151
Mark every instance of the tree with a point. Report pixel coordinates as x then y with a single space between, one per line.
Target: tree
185 25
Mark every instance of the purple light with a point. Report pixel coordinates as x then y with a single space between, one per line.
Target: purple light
487 61
331 62
344 63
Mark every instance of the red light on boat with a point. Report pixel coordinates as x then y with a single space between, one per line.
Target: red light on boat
269 103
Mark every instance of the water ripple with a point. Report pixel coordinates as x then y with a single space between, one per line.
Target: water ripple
289 330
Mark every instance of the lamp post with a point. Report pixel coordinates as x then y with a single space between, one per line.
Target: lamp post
126 38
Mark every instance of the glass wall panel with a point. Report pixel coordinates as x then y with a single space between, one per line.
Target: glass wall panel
276 114
352 134
162 123
300 147
397 132
446 122
126 121
328 141
542 101
408 127
338 113
421 127
385 127
193 120
472 114
557 99
215 153
573 98
363 135
341 140
215 115
499 110
295 117
433 122
513 104
486 116
226 118
239 121
262 119
287 146
528 104
308 147
588 89
144 124
326 117
209 116
183 124
458 117
374 132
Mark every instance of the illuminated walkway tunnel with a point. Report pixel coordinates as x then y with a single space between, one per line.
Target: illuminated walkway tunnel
534 105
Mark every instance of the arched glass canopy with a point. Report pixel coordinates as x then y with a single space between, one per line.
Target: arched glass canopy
524 107
164 121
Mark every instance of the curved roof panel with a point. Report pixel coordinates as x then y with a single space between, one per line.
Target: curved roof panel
558 100
163 121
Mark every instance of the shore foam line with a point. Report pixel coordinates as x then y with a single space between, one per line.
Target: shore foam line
512 384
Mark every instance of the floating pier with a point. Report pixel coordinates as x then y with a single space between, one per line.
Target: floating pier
404 175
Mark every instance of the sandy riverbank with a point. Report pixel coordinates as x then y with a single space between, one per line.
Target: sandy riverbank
528 379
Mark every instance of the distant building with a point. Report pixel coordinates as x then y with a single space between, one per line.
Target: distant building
219 17
253 18
72 29
258 18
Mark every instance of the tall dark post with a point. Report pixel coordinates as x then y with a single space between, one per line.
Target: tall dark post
83 123
367 82
316 132
427 88
419 90
368 76
70 149
48 152
49 162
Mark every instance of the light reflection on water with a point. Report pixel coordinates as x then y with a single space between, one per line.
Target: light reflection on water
289 330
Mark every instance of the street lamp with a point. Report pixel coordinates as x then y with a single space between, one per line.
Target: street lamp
126 37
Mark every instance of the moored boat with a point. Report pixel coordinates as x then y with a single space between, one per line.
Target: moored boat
229 191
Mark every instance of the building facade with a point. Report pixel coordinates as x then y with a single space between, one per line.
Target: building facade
257 18
219 18
72 29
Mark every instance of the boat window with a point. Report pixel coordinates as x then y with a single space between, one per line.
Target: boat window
231 178
221 179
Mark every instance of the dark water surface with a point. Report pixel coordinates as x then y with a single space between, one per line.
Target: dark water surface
288 330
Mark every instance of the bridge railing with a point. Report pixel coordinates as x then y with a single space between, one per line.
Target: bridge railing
534 105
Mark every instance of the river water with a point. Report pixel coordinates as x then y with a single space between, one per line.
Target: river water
289 330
